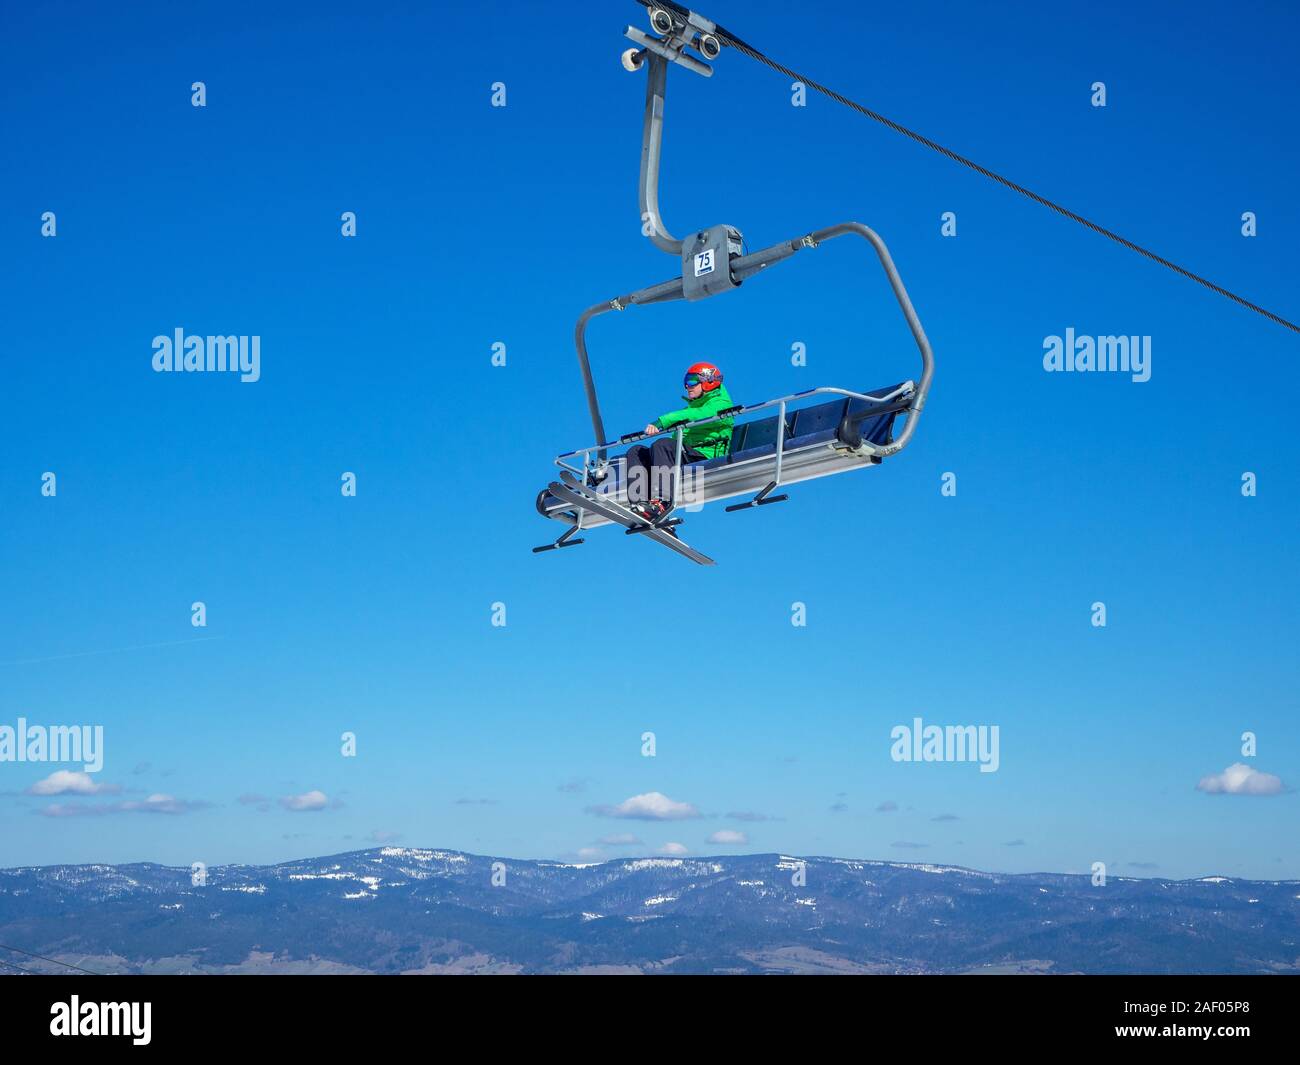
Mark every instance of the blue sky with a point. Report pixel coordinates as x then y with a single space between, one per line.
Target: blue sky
478 225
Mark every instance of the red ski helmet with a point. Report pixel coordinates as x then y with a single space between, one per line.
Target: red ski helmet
705 374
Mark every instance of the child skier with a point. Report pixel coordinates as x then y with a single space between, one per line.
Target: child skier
650 469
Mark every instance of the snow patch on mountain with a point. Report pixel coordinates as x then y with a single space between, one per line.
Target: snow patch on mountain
653 863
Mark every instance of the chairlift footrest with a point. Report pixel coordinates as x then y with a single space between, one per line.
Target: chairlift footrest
568 538
751 504
760 500
557 545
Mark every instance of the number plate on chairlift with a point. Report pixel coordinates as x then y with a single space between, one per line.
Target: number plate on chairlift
706 261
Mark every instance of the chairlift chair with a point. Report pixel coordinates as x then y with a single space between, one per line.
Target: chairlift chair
842 429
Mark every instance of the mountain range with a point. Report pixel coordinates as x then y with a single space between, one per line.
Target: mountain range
411 910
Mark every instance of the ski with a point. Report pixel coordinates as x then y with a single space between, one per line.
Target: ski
585 490
583 497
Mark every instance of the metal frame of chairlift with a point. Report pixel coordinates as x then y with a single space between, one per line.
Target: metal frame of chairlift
712 262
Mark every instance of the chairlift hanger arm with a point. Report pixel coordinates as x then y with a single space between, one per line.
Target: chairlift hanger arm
679 30
909 313
652 136
745 266
660 293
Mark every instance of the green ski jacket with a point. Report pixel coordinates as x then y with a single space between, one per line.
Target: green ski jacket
713 439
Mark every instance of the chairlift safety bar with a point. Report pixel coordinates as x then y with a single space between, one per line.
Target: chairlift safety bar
877 405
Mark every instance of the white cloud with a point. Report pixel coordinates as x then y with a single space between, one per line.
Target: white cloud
652 806
163 804
311 800
728 836
1239 779
674 849
590 854
155 804
621 839
67 782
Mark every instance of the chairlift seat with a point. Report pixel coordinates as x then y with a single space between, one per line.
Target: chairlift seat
806 452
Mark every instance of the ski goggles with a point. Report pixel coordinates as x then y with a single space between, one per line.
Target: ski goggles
691 380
